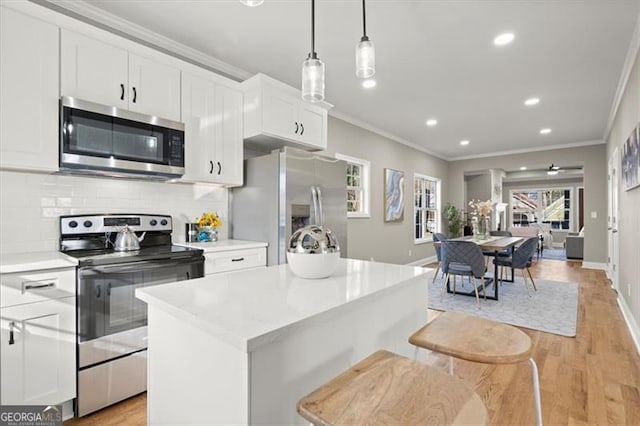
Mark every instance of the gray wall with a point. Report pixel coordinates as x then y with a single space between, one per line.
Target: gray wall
593 157
478 187
372 237
627 117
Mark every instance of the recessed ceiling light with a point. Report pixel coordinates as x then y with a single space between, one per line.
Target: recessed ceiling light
545 131
252 3
552 172
503 39
523 168
532 101
464 142
369 83
432 122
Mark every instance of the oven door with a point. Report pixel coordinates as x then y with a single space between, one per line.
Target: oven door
111 320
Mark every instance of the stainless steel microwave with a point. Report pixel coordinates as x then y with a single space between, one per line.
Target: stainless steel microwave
100 139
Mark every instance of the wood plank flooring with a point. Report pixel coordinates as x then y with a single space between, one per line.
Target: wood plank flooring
593 378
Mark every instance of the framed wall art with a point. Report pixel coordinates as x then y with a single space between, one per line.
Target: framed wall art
393 195
631 160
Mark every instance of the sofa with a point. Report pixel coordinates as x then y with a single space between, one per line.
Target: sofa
574 244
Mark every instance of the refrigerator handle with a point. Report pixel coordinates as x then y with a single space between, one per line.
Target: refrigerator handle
316 196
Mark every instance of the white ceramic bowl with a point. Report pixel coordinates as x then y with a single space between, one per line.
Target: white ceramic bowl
313 265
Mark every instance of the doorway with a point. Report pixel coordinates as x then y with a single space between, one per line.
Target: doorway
612 219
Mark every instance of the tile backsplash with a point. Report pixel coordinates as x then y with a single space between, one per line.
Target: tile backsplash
31 204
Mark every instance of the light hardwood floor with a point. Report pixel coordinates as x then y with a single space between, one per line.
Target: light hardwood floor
593 378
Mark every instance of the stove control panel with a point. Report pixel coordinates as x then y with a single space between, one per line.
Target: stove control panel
98 224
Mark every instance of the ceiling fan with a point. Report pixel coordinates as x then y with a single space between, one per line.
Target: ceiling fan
554 170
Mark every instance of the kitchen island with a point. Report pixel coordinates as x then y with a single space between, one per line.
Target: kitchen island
243 347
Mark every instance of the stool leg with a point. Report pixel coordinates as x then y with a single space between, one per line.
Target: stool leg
415 354
451 365
536 391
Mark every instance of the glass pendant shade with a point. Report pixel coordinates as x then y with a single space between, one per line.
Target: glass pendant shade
313 80
365 59
252 3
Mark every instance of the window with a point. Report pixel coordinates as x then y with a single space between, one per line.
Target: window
549 205
426 192
357 186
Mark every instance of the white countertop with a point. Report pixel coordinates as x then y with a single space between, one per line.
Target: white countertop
23 262
250 308
223 245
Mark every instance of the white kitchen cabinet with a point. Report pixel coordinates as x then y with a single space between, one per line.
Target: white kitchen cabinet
234 260
99 72
29 74
38 337
275 115
212 114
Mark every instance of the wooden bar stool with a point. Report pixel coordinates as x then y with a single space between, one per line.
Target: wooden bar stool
386 388
479 340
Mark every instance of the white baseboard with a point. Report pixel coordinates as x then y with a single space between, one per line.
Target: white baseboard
632 324
594 265
424 261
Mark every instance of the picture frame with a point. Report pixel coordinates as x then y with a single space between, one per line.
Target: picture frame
631 160
393 195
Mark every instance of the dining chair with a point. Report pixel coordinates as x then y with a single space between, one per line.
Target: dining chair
521 259
463 258
438 236
490 253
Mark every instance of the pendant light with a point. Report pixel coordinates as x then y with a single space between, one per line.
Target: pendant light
252 3
313 69
365 52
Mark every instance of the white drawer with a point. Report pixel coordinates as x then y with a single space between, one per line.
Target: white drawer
232 260
34 286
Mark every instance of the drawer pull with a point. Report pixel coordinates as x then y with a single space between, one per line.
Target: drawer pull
238 259
38 286
12 325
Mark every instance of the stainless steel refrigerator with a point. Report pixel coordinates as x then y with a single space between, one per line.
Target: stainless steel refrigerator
276 199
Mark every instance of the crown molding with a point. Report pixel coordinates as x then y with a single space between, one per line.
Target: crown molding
526 150
95 16
632 54
359 123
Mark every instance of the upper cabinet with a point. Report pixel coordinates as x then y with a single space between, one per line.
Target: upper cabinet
275 115
98 72
212 113
29 87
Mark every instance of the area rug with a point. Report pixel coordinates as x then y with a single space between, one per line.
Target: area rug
552 309
554 254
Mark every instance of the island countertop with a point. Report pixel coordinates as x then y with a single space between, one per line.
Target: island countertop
250 308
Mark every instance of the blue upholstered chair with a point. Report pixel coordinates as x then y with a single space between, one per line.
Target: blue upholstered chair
437 236
463 258
521 259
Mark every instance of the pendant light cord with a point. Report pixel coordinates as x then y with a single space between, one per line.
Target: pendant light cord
313 54
364 22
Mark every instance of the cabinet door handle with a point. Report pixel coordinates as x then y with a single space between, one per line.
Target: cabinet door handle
121 92
210 167
12 325
219 168
38 286
296 132
238 259
135 95
302 126
98 292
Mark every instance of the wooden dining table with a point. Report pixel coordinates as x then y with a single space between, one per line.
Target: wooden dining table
495 244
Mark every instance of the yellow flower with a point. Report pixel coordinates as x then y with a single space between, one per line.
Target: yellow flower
209 219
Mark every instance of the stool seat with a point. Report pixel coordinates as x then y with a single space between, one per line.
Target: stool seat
386 388
474 339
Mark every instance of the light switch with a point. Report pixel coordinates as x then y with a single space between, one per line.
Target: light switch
594 215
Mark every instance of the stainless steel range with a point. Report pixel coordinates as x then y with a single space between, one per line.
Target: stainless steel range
112 323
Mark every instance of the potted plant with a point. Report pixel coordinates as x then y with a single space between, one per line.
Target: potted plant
454 220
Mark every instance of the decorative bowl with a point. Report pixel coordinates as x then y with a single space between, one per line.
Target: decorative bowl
313 252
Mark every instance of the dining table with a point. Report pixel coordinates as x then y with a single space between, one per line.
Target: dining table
495 244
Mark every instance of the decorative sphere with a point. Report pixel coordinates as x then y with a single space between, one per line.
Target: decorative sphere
313 239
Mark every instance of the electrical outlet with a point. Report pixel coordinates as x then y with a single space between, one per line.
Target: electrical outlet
409 253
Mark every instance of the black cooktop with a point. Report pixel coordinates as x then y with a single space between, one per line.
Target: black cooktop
108 256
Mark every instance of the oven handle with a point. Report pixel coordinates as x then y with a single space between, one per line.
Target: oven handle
139 266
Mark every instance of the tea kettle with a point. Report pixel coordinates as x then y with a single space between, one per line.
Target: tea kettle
127 240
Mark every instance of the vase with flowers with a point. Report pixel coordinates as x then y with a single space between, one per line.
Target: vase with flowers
481 211
207 227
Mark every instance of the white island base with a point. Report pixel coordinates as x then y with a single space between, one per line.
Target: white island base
244 347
